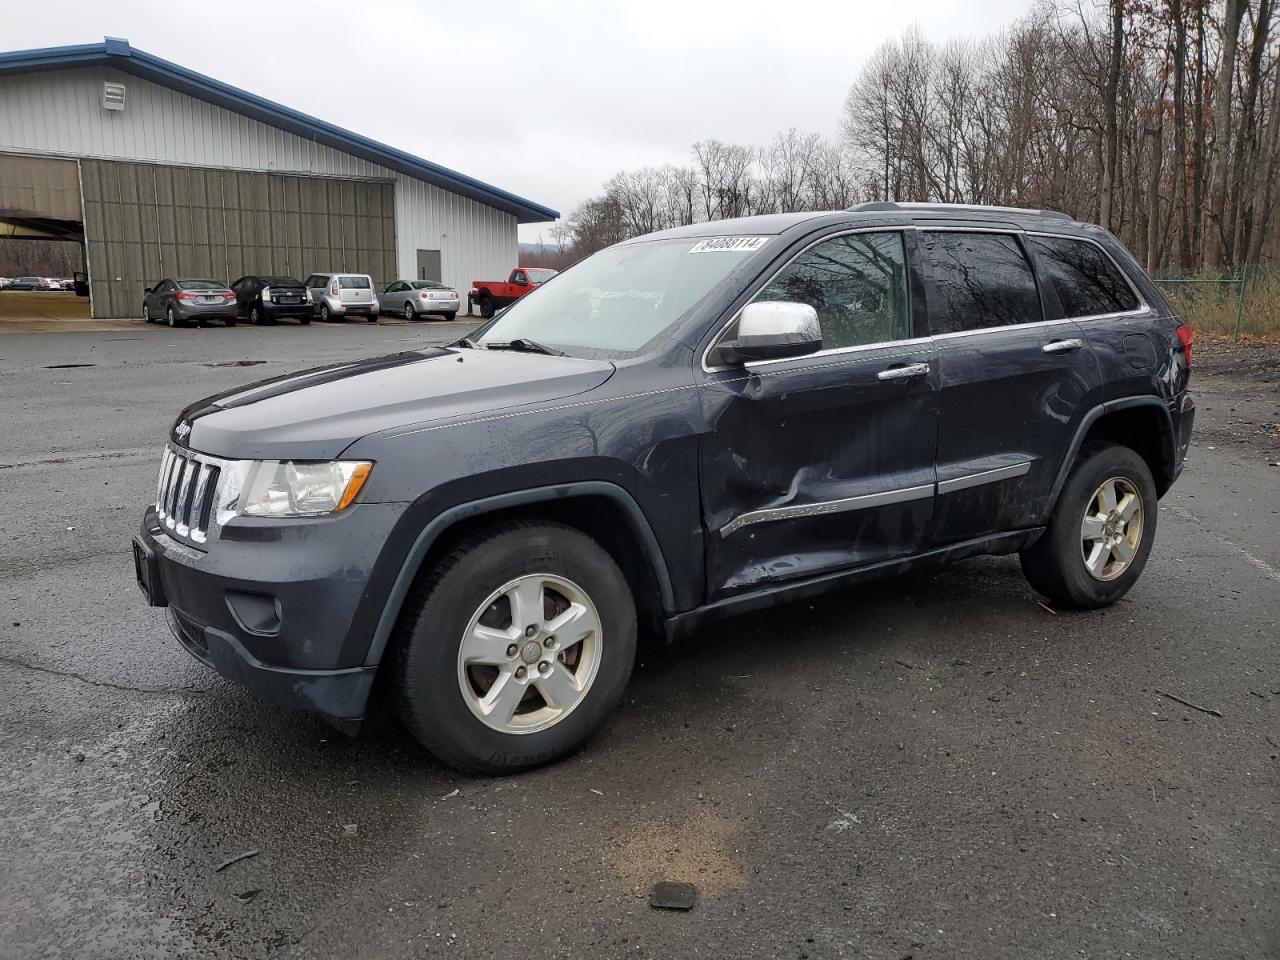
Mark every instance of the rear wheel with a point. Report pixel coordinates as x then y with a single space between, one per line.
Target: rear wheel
1100 533
515 650
255 316
304 320
325 315
486 307
173 318
229 322
450 317
409 312
372 318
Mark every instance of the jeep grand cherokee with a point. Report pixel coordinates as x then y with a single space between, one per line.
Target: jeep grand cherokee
690 424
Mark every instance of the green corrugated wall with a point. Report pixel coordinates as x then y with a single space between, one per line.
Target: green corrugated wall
144 222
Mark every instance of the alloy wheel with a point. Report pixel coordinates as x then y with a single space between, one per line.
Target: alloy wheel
530 653
1111 529
409 312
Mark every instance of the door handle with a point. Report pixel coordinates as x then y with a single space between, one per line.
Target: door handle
905 372
1062 346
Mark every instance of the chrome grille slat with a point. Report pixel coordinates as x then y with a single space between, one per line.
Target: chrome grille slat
186 491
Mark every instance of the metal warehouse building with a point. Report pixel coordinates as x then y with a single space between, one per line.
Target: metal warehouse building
160 171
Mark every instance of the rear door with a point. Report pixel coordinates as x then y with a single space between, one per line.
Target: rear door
355 289
1012 383
821 463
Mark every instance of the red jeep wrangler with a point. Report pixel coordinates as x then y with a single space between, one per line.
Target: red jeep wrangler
492 295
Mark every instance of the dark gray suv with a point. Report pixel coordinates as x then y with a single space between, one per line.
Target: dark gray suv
688 425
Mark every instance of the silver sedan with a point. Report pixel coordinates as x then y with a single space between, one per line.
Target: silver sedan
416 298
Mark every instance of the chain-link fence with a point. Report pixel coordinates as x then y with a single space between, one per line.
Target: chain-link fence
1237 302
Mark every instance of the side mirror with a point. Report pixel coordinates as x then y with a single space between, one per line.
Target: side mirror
773 330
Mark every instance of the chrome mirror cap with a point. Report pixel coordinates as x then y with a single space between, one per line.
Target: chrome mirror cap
774 330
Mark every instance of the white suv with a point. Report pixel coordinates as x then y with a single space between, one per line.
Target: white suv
340 295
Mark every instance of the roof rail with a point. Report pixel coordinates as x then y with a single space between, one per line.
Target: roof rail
884 206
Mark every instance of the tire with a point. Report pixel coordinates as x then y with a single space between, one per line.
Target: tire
440 700
255 316
146 314
1058 564
450 317
372 318
173 318
304 320
486 307
409 312
231 322
325 315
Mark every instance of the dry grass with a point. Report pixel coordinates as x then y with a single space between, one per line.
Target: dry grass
1211 307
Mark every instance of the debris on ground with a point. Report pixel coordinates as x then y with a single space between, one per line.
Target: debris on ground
1187 703
448 795
598 793
247 896
351 829
1047 609
668 895
236 859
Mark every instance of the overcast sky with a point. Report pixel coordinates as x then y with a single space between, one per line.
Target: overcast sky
546 101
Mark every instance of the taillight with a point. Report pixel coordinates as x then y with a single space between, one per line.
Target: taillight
333 289
1188 338
424 295
185 295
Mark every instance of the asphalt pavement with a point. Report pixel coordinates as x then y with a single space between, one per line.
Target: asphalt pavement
931 767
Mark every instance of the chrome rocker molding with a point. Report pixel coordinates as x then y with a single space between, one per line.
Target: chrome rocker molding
869 500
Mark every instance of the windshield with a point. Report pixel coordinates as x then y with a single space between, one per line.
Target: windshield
620 302
540 276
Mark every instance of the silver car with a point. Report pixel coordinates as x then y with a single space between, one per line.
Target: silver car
336 296
416 298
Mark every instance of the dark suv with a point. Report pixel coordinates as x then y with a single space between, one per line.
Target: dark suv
700 422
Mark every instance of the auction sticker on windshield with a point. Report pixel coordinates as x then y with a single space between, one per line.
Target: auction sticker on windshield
729 245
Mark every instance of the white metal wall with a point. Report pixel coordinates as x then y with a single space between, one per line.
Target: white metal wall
59 112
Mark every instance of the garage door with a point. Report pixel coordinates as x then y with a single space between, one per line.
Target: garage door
148 221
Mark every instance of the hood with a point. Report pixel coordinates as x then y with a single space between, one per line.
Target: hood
316 414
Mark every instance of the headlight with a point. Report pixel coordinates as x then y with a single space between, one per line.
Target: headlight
283 488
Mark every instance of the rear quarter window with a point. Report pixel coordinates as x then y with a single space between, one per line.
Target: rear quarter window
1087 282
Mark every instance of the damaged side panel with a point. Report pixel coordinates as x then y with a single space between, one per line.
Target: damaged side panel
817 463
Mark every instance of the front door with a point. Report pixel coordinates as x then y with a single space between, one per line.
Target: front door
429 265
825 462
1013 385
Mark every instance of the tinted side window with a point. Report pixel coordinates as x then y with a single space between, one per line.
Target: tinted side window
1084 278
354 283
857 284
980 280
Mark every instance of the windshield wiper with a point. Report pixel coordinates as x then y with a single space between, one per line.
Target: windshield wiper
468 343
525 345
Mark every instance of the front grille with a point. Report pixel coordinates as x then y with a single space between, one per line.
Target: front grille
186 493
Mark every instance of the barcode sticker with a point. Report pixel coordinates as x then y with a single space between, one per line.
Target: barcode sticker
729 245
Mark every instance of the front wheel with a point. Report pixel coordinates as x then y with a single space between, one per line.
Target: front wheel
516 649
1100 533
146 314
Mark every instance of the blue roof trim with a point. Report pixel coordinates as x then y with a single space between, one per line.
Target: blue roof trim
116 52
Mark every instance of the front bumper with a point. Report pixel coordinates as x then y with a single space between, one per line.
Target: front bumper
274 606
